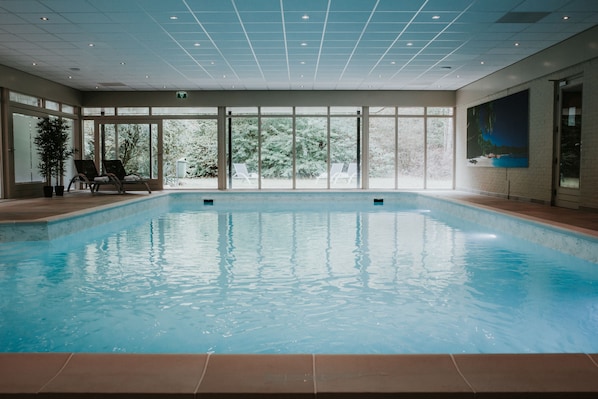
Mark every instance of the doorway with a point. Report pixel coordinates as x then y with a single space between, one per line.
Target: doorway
568 144
135 144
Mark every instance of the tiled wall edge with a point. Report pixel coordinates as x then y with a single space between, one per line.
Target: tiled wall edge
562 240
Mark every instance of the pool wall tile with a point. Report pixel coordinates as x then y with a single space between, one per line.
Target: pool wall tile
64 225
249 376
566 241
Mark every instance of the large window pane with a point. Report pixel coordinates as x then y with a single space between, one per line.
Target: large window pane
311 149
88 140
25 152
277 152
190 153
343 151
382 153
410 153
440 153
134 148
132 144
69 167
243 153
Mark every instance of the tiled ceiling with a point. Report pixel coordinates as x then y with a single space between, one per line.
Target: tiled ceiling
280 44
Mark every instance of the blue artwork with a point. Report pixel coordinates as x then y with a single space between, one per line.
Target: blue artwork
498 132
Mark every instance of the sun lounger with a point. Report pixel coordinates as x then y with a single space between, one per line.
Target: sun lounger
115 169
87 174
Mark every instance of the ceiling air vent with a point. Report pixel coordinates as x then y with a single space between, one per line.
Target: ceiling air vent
112 84
522 17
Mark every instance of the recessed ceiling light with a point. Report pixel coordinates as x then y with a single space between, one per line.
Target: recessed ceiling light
34 63
123 63
410 44
197 44
91 44
436 17
303 44
305 17
70 77
482 62
393 62
44 18
566 17
517 44
174 17
147 76
302 62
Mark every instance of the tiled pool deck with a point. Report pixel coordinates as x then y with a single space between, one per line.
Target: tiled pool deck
79 375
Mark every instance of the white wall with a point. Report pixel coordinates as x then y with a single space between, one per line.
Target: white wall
537 73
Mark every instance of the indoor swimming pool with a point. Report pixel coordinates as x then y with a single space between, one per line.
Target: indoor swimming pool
389 273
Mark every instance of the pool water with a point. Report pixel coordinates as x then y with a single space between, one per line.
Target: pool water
295 277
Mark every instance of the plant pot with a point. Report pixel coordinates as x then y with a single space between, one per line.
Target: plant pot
48 191
59 190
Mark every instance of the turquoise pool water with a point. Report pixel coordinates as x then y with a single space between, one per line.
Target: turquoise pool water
305 275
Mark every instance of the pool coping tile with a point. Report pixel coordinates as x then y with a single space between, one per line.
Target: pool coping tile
389 375
256 376
25 374
114 375
495 374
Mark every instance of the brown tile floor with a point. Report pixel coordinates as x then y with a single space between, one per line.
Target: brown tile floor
42 208
309 376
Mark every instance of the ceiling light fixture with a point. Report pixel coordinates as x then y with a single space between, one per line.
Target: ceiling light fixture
566 17
436 17
410 44
392 62
305 17
123 63
197 44
482 62
91 45
34 63
45 18
303 44
516 44
173 17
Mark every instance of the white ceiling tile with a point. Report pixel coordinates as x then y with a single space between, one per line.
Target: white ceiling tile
351 46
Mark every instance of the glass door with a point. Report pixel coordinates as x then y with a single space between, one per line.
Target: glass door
135 144
568 158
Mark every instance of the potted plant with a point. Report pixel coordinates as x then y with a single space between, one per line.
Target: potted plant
52 147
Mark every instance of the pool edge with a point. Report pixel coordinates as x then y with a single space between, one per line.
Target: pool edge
82 375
